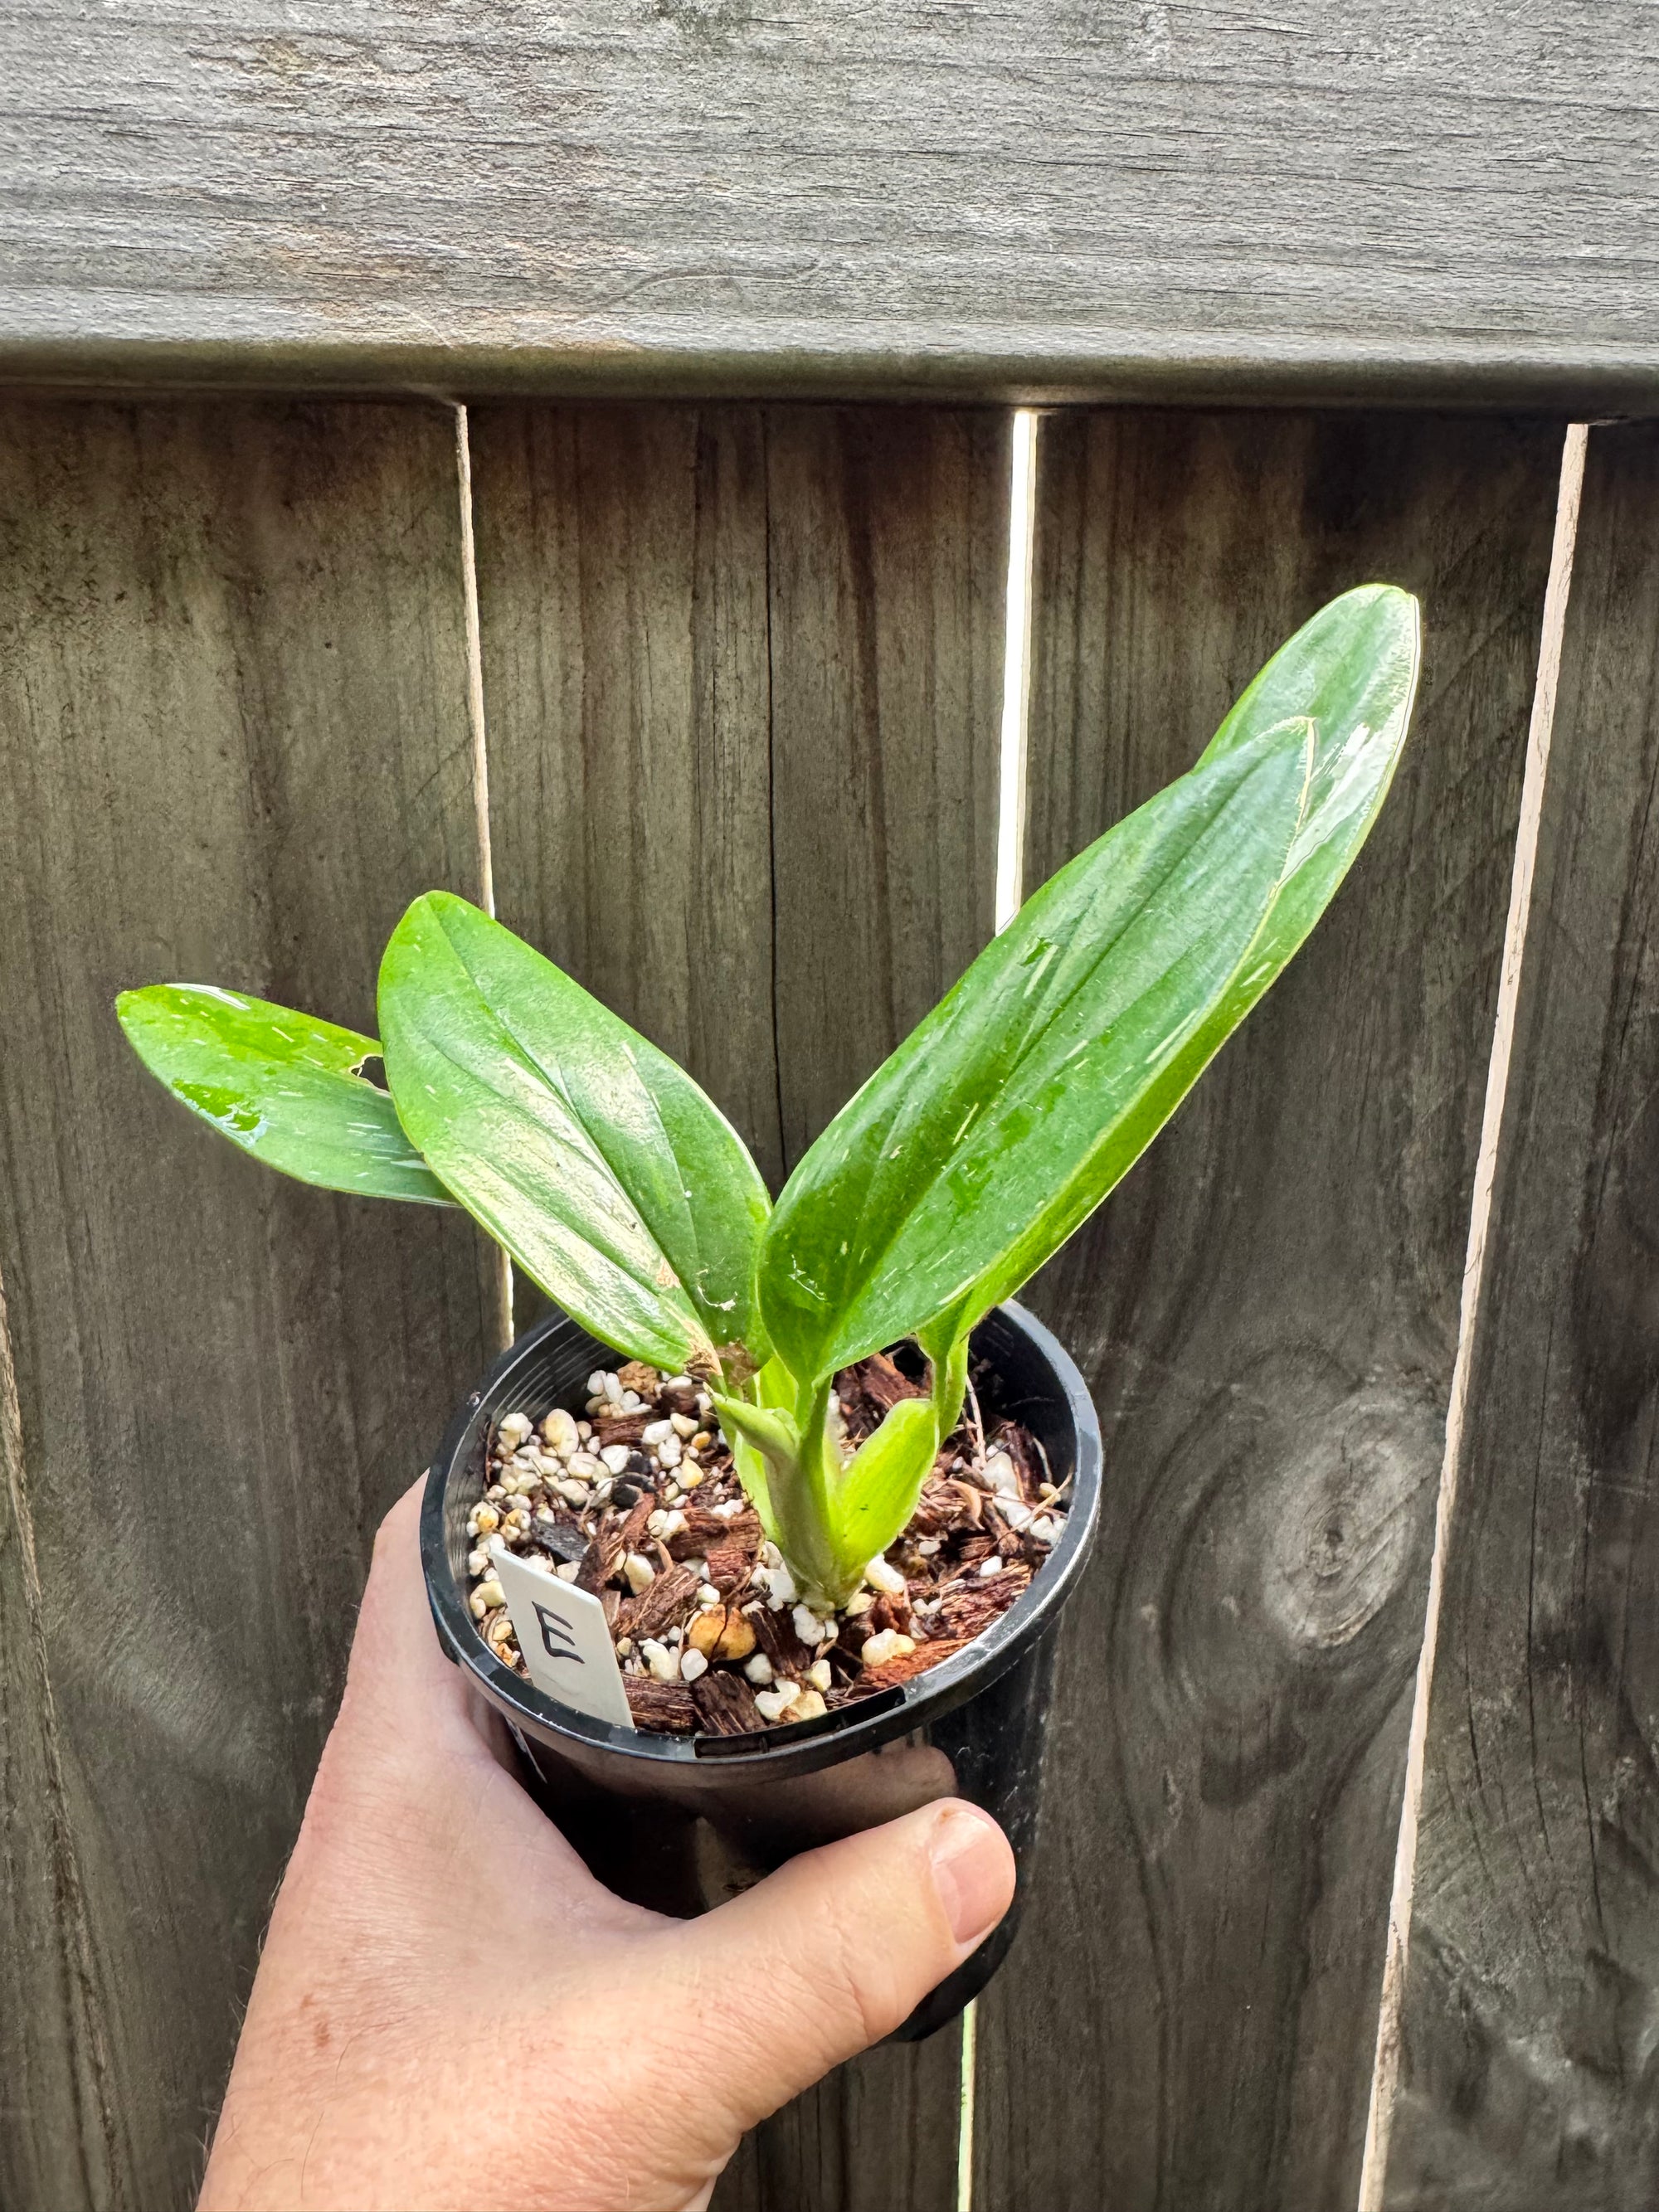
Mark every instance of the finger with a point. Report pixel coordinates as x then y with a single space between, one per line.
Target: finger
412 1736
832 1952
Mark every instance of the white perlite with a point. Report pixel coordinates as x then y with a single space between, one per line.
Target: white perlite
887 1643
883 1574
772 1704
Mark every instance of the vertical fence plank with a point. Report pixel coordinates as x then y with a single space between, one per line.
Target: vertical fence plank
742 673
1267 1313
1530 2063
232 695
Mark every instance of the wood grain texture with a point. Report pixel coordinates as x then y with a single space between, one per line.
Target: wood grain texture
233 701
1267 1313
742 678
1052 199
1530 2072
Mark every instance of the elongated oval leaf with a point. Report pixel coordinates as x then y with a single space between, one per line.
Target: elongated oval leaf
282 1085
1013 1102
598 1163
1353 671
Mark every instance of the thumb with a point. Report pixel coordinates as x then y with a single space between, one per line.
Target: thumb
832 1952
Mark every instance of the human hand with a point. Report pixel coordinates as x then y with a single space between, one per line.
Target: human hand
450 2012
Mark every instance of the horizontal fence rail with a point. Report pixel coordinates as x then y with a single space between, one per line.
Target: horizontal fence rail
1448 201
711 698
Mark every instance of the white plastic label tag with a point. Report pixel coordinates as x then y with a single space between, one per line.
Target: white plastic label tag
565 1639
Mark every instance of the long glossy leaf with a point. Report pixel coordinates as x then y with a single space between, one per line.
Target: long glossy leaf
1010 1110
1353 671
282 1085
597 1162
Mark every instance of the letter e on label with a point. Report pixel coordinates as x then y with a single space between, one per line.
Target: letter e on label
565 1639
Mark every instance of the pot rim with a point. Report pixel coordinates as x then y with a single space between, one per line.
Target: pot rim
806 1745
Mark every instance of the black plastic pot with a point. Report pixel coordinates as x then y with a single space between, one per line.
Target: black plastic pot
681 1823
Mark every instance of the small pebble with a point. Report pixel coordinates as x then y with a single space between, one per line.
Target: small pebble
683 1426
774 1703
657 1433
613 1389
887 1643
692 1663
707 1594
809 1706
574 1493
860 1602
568 1570
476 1562
492 1593
729 1510
559 1432
664 1664
1046 1528
484 1519
883 1574
1017 1515
512 1429
991 1566
808 1627
614 1457
596 1383
640 1572
759 1668
689 1476
818 1675
781 1583
1001 1474
668 1452
584 1464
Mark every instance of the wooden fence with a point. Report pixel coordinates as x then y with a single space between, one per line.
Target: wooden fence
705 685
742 683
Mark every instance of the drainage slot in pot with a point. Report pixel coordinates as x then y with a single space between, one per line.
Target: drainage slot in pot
733 1747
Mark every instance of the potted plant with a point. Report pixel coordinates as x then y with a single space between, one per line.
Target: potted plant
813 1478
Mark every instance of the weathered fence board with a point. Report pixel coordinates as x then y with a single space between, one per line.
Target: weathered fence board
1530 2068
1267 1312
1036 199
233 701
742 674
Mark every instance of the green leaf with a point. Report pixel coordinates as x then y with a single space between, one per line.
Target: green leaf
1353 671
282 1085
871 1503
603 1169
1010 1111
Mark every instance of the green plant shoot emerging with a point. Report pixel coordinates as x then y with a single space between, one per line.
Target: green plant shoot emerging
998 1125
